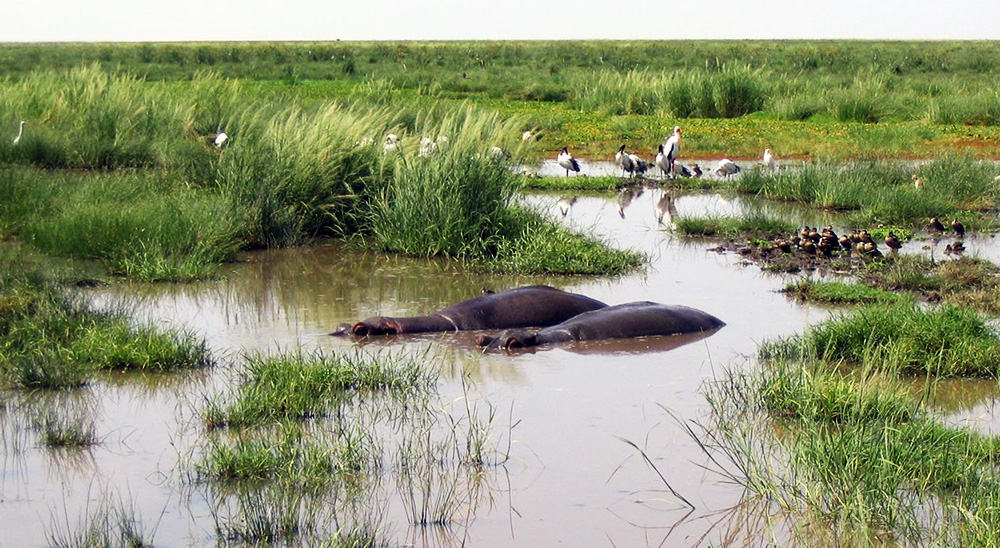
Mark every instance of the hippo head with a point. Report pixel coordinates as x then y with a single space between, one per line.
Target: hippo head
507 340
375 326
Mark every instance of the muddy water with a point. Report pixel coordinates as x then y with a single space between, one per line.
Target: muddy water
565 410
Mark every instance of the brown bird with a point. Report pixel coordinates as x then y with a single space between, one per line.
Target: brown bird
936 225
917 183
958 247
893 242
958 227
846 243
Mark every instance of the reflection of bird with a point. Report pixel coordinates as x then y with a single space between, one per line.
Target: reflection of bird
768 160
958 227
625 198
665 208
726 168
565 204
20 132
567 161
672 148
936 225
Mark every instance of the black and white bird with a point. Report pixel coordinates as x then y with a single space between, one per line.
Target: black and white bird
726 168
220 139
630 163
661 161
672 148
665 209
20 132
567 161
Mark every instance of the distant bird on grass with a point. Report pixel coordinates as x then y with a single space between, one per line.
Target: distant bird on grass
20 132
427 147
768 160
391 144
935 225
893 242
567 161
220 140
918 183
672 148
726 168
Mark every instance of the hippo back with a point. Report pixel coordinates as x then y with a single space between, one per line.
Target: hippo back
530 306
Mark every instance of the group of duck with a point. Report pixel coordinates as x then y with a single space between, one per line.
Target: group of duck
825 242
665 160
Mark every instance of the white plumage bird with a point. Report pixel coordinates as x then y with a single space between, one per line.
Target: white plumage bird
391 144
567 161
427 147
672 148
220 139
630 163
20 132
768 160
726 168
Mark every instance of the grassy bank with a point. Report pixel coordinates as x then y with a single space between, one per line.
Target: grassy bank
152 198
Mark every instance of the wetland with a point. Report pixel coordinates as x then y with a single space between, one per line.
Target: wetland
169 378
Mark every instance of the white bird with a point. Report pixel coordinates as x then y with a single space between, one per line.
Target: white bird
527 136
567 161
726 168
220 139
661 160
427 147
390 144
20 131
630 163
498 153
672 148
442 141
768 160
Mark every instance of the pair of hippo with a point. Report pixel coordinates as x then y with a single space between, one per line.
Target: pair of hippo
563 316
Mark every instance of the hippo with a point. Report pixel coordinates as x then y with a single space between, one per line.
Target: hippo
638 319
529 306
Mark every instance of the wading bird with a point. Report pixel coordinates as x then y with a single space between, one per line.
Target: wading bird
672 148
220 139
958 227
630 163
20 132
567 161
661 160
768 160
726 168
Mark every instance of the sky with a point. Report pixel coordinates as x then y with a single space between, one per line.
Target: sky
252 20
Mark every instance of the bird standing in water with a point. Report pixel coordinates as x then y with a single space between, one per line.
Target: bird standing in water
567 161
672 148
768 160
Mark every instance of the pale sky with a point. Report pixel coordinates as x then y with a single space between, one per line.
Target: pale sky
224 20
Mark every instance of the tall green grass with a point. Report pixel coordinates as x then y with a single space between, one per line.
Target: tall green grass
902 339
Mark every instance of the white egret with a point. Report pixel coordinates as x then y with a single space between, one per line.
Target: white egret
220 139
672 148
726 168
20 132
768 160
567 161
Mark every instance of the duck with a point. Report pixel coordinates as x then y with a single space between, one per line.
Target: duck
958 227
935 225
893 242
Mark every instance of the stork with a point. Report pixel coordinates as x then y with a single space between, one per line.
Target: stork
20 132
567 161
672 148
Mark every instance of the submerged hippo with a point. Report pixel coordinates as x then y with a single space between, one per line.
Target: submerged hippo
530 306
639 319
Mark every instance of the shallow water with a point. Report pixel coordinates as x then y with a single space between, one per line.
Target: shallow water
571 479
